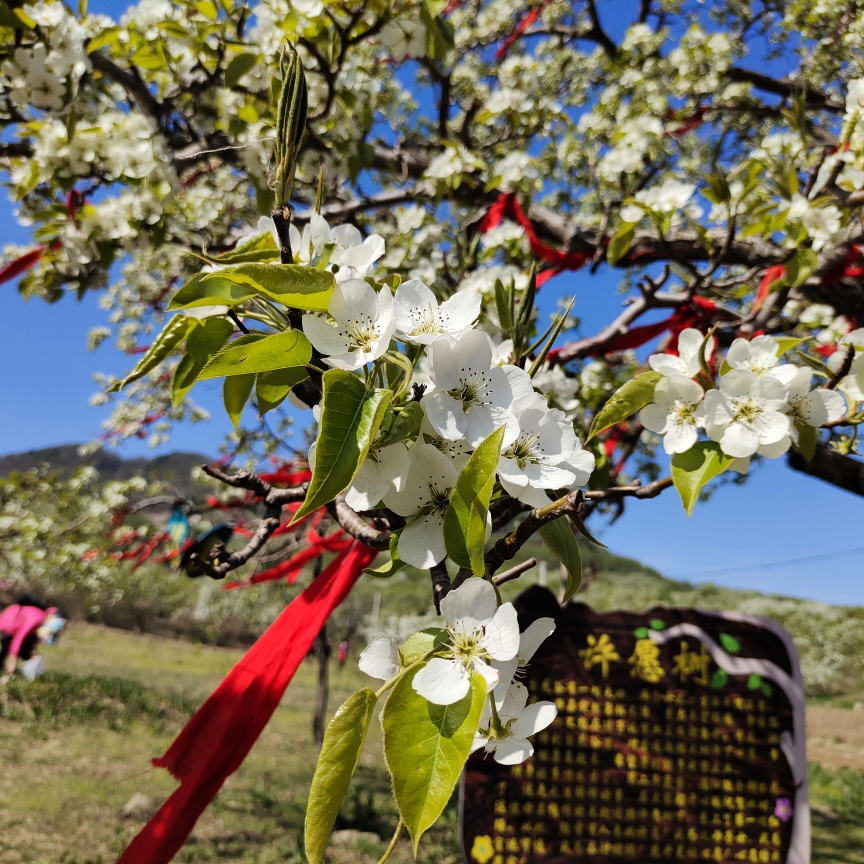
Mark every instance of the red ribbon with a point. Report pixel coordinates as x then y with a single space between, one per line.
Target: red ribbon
521 27
22 264
216 740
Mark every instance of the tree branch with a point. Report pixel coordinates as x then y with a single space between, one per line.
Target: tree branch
785 87
634 490
842 370
832 467
132 84
514 572
354 525
597 33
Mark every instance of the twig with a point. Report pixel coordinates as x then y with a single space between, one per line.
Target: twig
356 526
842 370
514 572
440 583
634 490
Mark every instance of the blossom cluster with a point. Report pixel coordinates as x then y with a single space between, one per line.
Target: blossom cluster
479 636
759 405
468 391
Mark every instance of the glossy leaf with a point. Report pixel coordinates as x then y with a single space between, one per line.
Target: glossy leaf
204 290
271 388
426 747
291 285
172 335
419 644
238 67
582 528
620 242
403 426
625 402
254 249
350 417
558 536
693 469
787 343
465 517
289 349
202 343
235 394
337 761
393 565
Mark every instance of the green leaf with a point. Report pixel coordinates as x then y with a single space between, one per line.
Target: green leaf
786 344
719 679
801 266
631 397
204 290
201 344
816 365
465 517
337 761
641 633
109 36
286 350
503 305
391 566
350 417
426 747
419 644
271 388
255 249
559 323
806 439
619 243
558 536
730 643
754 682
439 34
767 690
290 284
174 332
235 394
693 469
657 624
238 67
403 363
576 519
403 426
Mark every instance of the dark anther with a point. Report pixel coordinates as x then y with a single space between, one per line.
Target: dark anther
418 391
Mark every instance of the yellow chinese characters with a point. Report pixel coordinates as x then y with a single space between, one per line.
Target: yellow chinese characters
687 663
644 661
600 652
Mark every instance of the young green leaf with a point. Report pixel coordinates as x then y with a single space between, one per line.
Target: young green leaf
291 285
816 365
350 417
289 349
619 243
235 394
465 517
426 746
504 305
337 761
419 644
172 335
693 469
392 565
576 519
784 345
201 344
404 426
559 323
558 536
631 397
205 290
271 388
806 439
238 67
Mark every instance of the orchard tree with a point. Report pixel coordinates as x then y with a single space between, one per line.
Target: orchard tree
353 204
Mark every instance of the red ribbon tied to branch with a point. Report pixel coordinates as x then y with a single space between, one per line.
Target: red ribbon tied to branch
521 27
216 740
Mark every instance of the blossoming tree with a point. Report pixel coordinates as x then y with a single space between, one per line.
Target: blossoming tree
352 205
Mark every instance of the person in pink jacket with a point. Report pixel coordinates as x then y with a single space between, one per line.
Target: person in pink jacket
21 626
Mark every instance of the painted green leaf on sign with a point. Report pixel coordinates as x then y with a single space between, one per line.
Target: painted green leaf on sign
730 643
558 536
172 335
289 349
692 470
719 679
627 400
291 285
201 345
271 388
350 417
340 753
426 747
641 632
754 682
235 394
656 624
465 517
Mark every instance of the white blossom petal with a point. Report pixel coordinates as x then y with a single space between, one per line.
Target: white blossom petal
380 659
442 681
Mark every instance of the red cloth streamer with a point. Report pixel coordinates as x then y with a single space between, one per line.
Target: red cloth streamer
521 27
22 264
216 740
508 206
772 274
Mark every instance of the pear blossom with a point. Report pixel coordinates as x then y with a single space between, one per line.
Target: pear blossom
666 198
419 318
758 355
472 396
381 659
812 407
530 639
746 413
538 458
362 329
404 38
353 254
518 722
479 631
382 469
687 360
457 451
676 413
425 495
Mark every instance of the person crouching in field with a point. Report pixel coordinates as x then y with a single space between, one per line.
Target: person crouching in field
25 626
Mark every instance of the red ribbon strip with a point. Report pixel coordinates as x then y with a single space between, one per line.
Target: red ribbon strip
217 739
22 264
521 27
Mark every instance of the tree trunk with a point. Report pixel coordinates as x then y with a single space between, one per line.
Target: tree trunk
323 651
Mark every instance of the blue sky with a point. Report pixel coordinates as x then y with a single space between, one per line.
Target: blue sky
779 515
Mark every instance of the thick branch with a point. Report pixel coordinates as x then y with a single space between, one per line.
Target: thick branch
356 526
598 34
342 211
832 467
131 83
786 87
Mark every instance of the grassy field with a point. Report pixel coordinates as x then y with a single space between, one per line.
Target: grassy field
75 749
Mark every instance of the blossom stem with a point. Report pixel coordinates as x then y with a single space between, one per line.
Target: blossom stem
392 846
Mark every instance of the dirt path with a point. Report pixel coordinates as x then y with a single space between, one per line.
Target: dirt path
835 737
